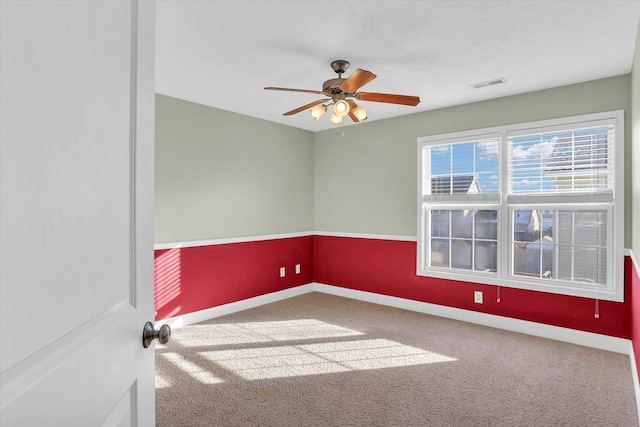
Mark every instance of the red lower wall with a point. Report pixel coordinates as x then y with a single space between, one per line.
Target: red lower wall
388 267
198 278
201 277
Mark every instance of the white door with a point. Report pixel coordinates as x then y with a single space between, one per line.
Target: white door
76 212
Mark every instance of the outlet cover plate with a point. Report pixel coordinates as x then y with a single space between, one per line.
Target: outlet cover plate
477 297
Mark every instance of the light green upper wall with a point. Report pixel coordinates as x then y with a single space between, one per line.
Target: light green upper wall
221 174
635 151
365 181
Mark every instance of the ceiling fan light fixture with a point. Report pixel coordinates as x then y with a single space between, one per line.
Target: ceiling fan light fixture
336 120
318 111
360 113
341 108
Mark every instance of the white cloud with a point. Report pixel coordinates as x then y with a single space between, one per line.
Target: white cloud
541 150
440 149
488 149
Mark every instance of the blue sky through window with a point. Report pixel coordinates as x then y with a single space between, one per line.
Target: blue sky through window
475 158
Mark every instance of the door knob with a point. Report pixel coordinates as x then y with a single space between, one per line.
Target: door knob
149 334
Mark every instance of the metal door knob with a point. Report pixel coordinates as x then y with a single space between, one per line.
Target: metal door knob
149 334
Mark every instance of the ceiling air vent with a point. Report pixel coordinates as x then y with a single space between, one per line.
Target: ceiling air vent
489 83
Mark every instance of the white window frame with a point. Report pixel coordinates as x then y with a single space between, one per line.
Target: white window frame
613 203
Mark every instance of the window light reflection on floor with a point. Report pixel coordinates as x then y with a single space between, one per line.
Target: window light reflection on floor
278 350
312 359
198 373
162 381
260 332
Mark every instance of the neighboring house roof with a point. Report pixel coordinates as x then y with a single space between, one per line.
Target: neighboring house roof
578 154
526 221
522 217
461 184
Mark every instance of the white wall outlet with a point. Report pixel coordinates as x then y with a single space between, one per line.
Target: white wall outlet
297 268
282 271
477 297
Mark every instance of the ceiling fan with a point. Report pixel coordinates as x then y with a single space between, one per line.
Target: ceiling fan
339 92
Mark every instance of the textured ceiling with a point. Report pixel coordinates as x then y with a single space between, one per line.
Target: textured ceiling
223 53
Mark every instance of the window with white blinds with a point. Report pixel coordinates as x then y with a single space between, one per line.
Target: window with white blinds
566 161
536 206
462 167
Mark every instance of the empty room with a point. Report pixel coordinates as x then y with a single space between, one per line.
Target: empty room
259 201
321 213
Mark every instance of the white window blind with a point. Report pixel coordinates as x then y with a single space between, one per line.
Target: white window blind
569 245
566 161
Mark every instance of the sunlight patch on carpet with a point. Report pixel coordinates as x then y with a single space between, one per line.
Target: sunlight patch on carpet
323 358
195 371
260 332
162 382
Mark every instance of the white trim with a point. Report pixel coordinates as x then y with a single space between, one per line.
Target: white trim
227 240
629 252
400 238
573 336
634 377
234 307
258 238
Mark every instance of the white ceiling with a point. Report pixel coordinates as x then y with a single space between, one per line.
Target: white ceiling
223 53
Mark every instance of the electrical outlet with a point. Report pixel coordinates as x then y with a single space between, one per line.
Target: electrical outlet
477 297
282 271
297 268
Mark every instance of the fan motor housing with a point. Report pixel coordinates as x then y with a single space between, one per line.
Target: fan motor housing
332 87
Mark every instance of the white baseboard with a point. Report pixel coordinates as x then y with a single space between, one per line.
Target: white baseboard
234 307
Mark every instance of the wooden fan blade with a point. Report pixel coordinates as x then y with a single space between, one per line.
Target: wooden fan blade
295 90
356 80
306 107
389 98
351 115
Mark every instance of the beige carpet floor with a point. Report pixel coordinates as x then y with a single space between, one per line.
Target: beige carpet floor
322 360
